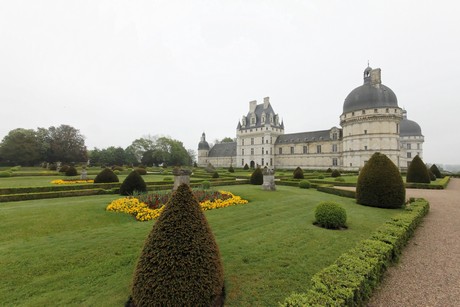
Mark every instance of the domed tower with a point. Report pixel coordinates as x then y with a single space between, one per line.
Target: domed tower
203 151
371 122
412 139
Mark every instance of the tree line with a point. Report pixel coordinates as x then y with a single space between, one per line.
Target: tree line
29 147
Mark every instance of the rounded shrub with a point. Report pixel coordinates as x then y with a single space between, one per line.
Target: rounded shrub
180 263
167 179
52 167
71 171
298 173
321 177
335 173
417 171
205 185
380 184
257 177
106 176
133 182
330 215
231 169
304 184
63 168
117 168
434 168
5 174
339 179
141 171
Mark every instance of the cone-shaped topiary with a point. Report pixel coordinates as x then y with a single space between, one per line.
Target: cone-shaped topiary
434 168
180 263
257 176
133 182
106 176
246 167
231 169
335 173
380 184
417 171
298 173
71 171
215 175
432 176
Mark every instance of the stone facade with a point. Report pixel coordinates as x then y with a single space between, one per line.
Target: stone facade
371 122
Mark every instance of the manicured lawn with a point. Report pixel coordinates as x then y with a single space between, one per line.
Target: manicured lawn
72 252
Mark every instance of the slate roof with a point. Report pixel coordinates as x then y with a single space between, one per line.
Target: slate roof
303 137
258 112
409 128
223 150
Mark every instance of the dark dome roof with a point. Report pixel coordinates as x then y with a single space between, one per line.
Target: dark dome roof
409 128
203 145
372 94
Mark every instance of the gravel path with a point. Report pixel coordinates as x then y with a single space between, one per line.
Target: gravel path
428 272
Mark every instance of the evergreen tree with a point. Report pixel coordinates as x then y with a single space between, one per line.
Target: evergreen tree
380 184
417 171
180 264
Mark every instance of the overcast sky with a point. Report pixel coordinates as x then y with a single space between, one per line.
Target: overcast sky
120 70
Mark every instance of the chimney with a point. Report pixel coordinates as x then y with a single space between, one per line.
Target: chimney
252 106
266 102
375 76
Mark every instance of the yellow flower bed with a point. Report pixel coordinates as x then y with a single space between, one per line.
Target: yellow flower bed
142 212
60 181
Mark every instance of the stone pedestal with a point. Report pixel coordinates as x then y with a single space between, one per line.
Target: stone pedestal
84 174
181 176
269 180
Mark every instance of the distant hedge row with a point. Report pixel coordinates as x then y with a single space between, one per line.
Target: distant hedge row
349 281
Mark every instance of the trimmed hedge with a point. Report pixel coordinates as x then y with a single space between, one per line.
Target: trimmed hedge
349 281
57 194
430 186
331 190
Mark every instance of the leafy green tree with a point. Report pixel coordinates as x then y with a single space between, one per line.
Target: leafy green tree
380 184
180 264
66 144
20 147
227 140
417 171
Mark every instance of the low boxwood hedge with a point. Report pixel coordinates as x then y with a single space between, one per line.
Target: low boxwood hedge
56 194
349 281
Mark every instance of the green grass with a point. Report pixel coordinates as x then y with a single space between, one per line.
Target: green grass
72 252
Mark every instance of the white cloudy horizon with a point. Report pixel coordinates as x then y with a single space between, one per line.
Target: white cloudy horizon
120 70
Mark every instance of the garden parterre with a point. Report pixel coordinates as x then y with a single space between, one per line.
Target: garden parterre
155 202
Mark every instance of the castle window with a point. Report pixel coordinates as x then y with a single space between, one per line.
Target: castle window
242 151
271 162
365 147
364 112
418 145
242 162
280 150
387 110
397 128
334 136
365 131
334 161
334 147
408 146
263 140
292 150
253 120
409 155
252 141
375 110
242 141
263 161
252 151
262 151
318 148
352 113
305 149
